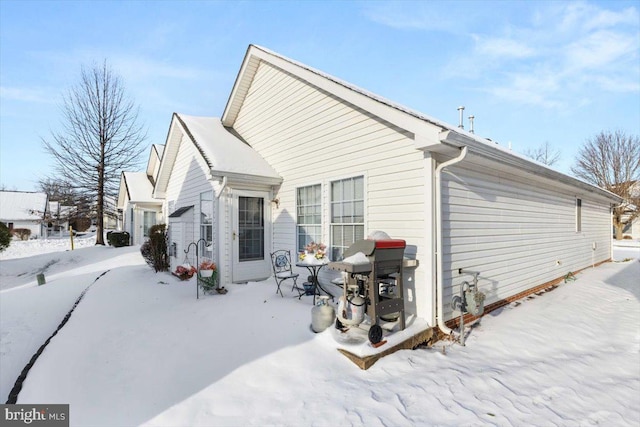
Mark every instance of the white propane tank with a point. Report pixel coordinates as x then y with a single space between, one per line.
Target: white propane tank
322 315
351 310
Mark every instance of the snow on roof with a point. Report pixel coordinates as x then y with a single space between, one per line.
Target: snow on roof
224 151
22 205
139 187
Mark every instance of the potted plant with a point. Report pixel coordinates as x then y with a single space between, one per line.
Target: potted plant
184 272
207 268
313 250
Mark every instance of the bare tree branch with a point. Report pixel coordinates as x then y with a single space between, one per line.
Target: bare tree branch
612 161
100 136
544 154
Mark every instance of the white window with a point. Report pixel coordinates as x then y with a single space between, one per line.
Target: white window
578 215
206 224
308 215
347 214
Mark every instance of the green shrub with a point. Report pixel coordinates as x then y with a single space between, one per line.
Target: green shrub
154 251
22 233
5 237
118 238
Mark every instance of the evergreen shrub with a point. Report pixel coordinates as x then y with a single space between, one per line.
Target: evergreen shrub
5 236
154 250
118 238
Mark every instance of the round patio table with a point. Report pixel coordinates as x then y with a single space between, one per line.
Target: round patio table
314 268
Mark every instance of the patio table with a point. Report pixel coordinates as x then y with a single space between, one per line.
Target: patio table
314 268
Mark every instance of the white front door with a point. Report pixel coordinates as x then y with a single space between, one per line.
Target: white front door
251 235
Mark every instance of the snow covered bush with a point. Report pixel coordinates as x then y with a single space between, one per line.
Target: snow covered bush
21 233
5 237
154 251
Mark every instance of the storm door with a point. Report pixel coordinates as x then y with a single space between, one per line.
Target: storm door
251 236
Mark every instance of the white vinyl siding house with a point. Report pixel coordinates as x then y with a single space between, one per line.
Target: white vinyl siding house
25 209
140 211
316 129
136 204
301 156
516 235
311 136
210 177
188 182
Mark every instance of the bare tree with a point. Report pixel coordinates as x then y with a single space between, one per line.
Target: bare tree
544 154
58 191
612 161
100 137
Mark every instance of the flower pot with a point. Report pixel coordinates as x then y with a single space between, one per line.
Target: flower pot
308 288
206 273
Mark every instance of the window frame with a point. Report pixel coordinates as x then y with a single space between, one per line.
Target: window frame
316 237
206 250
578 215
335 249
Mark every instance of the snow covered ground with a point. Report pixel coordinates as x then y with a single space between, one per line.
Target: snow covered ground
140 349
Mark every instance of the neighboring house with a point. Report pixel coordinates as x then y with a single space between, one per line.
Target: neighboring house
140 210
23 209
299 155
632 229
214 185
58 218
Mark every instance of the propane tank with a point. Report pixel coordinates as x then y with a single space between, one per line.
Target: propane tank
351 309
322 314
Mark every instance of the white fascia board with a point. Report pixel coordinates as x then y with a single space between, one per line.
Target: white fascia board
170 152
457 140
240 87
122 192
240 178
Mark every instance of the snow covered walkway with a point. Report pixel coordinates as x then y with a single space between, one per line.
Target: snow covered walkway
140 349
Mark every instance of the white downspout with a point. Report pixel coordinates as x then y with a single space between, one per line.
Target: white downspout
222 187
439 267
221 243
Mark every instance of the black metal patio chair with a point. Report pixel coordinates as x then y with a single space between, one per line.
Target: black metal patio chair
283 270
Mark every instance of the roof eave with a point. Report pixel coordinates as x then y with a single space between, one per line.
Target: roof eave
455 140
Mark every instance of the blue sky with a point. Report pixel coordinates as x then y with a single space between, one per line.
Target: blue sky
530 72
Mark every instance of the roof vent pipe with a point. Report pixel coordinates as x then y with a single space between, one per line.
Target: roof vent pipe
461 111
471 123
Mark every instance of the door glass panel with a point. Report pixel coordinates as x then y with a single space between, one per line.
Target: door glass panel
149 220
250 228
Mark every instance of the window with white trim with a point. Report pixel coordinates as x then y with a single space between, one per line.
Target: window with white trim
206 224
308 215
347 214
578 215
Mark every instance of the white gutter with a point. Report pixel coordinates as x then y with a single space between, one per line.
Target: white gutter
439 266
